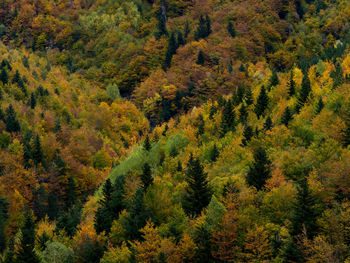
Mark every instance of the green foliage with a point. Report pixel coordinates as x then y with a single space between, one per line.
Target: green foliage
198 193
228 122
57 252
231 29
4 206
291 89
259 170
113 91
214 153
147 144
215 212
200 58
68 221
146 176
247 135
286 117
204 27
262 103
12 124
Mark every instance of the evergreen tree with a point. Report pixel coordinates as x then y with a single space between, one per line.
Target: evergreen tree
10 254
249 96
103 216
202 239
213 110
286 117
12 124
137 216
187 29
201 126
147 144
4 207
204 28
291 89
69 220
52 206
346 135
243 114
180 38
161 25
228 118
262 103
146 176
268 124
305 214
231 29
304 92
260 170
214 153
198 193
26 252
241 68
200 59
39 202
319 106
171 50
71 196
179 166
16 77
37 151
4 77
32 100
247 135
274 80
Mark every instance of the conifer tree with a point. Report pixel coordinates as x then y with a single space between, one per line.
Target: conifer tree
146 176
137 216
346 135
52 206
10 254
147 144
179 166
208 25
204 28
200 59
198 193
304 92
4 207
262 103
12 124
69 220
103 216
32 100
268 124
214 153
201 126
16 77
291 89
243 114
274 80
4 78
260 170
319 106
241 68
37 151
247 135
171 50
161 25
39 202
286 117
26 252
228 118
187 29
305 214
180 38
231 29
71 196
249 96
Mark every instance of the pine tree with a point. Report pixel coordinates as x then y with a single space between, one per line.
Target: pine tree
214 153
26 252
291 89
241 68
249 96
12 124
32 100
161 25
37 151
4 207
69 220
146 176
171 50
259 170
180 38
198 193
103 216
247 135
227 119
231 29
243 114
268 124
262 103
319 106
208 25
304 92
305 214
201 126
286 117
10 254
52 206
200 59
204 28
274 80
71 197
179 166
346 135
147 144
16 77
4 77
137 216
187 29
39 202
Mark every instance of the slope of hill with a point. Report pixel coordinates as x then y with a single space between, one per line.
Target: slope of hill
175 131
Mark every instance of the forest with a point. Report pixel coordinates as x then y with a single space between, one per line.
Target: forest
169 131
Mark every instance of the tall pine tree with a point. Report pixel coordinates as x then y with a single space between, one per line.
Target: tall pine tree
146 176
259 170
12 124
262 103
228 118
4 207
287 116
198 193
